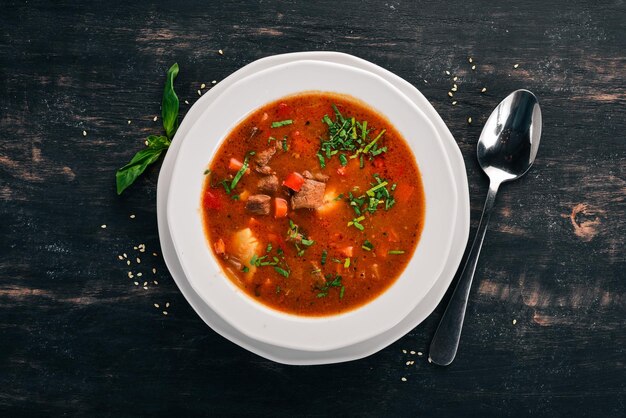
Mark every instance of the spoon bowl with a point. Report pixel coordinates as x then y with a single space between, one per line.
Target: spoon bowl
506 150
510 138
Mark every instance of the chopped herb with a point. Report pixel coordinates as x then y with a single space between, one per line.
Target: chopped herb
343 160
307 242
269 247
395 252
278 124
346 263
245 269
336 282
207 172
341 292
285 145
367 246
316 271
235 197
322 160
338 198
281 271
270 139
324 255
241 171
277 289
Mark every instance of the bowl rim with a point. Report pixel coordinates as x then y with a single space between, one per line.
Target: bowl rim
271 314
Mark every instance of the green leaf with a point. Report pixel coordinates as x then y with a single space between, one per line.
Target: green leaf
126 175
170 104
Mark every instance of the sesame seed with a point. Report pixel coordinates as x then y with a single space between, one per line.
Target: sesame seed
516 65
125 256
132 216
408 363
120 257
128 262
425 82
130 274
220 52
484 89
139 274
469 120
473 67
202 85
135 248
84 133
164 312
145 283
156 305
103 226
155 118
155 282
450 94
214 82
153 271
404 351
138 260
167 304
154 254
455 78
146 143
470 60
447 72
129 122
199 93
454 103
429 360
403 379
186 102
136 283
412 352
454 88
145 288
514 321
419 353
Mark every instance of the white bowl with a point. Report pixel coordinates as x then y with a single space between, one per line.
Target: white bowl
231 303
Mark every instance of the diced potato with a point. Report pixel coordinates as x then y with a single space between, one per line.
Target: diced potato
330 203
243 246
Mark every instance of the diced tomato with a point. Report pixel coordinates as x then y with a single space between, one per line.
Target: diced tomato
220 247
211 200
347 251
294 181
379 162
234 165
403 192
280 207
341 171
283 110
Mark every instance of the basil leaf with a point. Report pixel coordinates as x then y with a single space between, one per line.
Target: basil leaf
170 103
126 175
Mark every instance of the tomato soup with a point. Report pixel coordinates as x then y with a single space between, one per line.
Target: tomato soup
313 204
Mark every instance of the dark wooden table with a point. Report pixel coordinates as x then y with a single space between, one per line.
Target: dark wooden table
545 333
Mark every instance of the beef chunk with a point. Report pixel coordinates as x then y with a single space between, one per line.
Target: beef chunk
263 157
268 184
259 204
265 170
310 196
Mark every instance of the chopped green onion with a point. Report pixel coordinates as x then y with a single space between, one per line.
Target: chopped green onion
343 160
371 191
341 292
346 263
367 246
281 271
278 124
324 255
395 252
245 269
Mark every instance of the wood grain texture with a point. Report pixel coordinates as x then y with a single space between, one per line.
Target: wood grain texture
78 338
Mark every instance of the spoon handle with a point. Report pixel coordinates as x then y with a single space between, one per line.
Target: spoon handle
446 340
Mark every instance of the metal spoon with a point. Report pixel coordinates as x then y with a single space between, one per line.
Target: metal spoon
506 150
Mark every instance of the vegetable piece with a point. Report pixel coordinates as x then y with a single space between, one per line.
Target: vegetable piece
220 247
280 207
234 164
244 246
241 172
211 200
294 181
347 251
